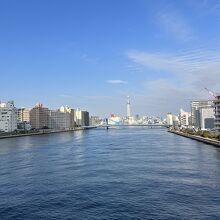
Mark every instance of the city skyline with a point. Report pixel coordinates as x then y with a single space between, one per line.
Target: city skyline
93 54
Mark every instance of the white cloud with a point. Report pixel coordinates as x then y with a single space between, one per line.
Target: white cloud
194 67
187 74
117 81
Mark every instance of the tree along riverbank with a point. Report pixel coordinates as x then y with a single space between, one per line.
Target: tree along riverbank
41 132
202 136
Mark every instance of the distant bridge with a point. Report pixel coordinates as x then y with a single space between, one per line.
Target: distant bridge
137 125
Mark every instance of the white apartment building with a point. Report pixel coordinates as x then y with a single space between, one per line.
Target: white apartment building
207 118
78 117
195 110
8 117
184 118
169 119
81 117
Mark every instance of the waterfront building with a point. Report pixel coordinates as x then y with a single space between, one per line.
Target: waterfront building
81 118
59 119
23 115
184 118
78 117
169 119
85 118
25 126
39 117
8 117
217 113
207 118
176 122
71 111
95 120
195 111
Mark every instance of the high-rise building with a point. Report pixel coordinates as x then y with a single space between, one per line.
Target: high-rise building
81 117
217 113
175 121
128 107
39 117
85 118
195 111
184 118
8 117
23 115
169 119
206 118
78 117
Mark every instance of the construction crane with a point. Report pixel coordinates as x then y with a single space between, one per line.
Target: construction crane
215 95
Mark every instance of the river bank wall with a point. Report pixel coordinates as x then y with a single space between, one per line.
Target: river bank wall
43 132
197 138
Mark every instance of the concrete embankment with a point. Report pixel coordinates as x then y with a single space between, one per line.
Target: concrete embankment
42 132
197 138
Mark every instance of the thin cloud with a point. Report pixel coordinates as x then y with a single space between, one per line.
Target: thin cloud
190 66
187 74
88 59
175 25
117 81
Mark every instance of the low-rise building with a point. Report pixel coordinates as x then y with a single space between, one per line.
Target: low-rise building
95 120
8 117
24 126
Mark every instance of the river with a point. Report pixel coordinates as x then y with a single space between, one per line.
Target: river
125 173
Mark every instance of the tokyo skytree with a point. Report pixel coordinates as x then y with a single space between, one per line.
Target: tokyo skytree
128 107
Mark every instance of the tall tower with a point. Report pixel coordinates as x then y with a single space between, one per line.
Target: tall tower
128 107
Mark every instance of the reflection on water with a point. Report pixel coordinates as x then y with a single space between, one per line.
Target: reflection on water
129 173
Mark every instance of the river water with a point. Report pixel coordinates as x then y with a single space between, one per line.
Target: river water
130 173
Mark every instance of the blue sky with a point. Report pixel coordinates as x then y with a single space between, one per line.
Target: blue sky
93 53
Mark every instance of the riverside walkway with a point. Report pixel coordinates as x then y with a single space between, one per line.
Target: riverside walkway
197 138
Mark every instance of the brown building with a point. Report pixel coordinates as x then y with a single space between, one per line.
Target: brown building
39 117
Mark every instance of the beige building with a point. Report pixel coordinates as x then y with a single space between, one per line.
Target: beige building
72 114
59 120
39 117
23 115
